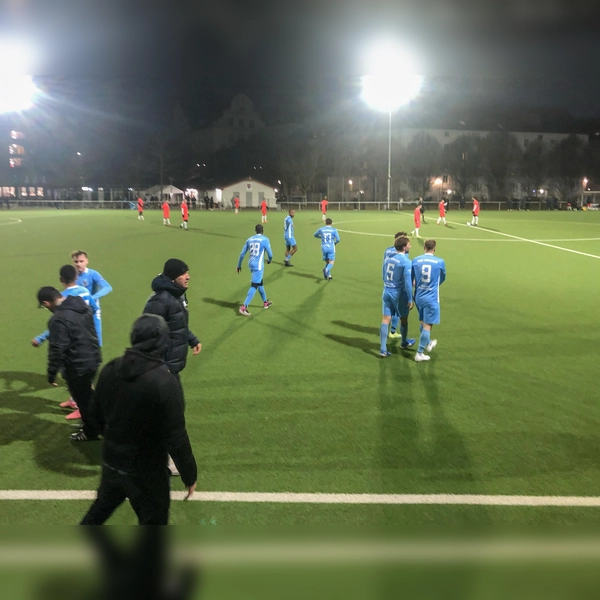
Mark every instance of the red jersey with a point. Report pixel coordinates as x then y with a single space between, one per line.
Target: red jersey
324 204
166 210
184 211
263 207
417 214
442 209
140 204
475 207
236 202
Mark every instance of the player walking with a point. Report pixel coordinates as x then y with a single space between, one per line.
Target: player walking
263 212
140 207
417 219
442 216
324 204
475 220
236 204
256 245
288 236
391 251
397 296
428 273
166 213
184 215
329 237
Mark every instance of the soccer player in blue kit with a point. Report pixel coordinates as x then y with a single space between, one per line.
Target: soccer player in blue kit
397 297
257 246
329 239
288 236
393 335
94 282
428 273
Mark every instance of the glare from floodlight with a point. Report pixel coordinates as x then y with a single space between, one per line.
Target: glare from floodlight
392 78
17 93
438 181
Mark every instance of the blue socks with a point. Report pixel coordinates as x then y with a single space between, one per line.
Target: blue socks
383 333
395 321
263 294
250 295
404 332
328 267
288 257
424 340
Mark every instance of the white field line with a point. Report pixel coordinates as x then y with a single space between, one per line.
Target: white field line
315 498
11 221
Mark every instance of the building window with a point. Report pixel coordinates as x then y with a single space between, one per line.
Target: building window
241 123
40 192
16 149
23 192
445 178
526 143
540 137
553 142
16 135
446 134
15 162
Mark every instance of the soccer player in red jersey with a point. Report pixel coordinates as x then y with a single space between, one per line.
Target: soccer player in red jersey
417 217
324 204
263 210
475 220
166 213
184 215
442 216
140 207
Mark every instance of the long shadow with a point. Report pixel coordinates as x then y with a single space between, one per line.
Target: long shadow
223 304
361 343
356 327
52 449
216 234
306 276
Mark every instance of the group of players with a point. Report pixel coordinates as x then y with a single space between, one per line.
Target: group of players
443 207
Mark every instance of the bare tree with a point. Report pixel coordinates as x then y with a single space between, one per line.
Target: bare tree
462 161
500 154
567 163
423 160
534 166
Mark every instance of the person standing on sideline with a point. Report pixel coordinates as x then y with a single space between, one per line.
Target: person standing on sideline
257 246
138 407
391 251
206 201
475 220
442 216
422 211
169 300
428 273
140 208
397 298
417 219
236 204
166 213
263 211
330 238
324 204
288 236
74 351
97 286
184 215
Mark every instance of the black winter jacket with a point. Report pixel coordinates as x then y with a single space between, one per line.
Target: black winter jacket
138 407
73 344
169 301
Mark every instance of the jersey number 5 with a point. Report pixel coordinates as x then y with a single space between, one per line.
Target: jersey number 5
389 272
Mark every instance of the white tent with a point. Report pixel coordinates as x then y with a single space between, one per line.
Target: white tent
168 191
250 192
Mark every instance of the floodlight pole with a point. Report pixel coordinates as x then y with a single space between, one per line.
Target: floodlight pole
389 173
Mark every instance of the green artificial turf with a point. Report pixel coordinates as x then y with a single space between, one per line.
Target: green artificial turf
296 399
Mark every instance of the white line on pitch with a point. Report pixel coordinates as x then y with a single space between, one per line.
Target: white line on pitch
11 221
315 498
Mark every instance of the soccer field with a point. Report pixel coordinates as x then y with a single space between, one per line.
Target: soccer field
295 399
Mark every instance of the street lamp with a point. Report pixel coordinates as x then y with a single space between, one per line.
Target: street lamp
391 82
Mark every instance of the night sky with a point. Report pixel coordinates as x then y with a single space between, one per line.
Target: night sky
301 57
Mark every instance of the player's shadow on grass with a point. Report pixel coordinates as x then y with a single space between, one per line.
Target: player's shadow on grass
361 343
307 276
223 304
356 327
215 233
52 449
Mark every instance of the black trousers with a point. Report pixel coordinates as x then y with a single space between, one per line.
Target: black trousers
80 387
149 495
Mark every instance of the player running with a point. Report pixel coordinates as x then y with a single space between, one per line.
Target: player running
263 212
288 236
417 219
428 273
140 208
324 204
166 213
329 237
397 296
184 215
391 251
442 216
475 220
257 245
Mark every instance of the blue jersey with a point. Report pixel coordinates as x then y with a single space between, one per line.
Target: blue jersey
256 245
94 283
329 238
397 274
428 272
288 228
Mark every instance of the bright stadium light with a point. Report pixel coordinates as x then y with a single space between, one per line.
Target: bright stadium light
17 90
392 80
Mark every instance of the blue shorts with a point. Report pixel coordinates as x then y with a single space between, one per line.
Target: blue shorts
257 276
290 242
389 303
403 309
329 255
429 313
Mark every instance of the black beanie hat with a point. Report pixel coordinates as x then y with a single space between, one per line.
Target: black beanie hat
174 268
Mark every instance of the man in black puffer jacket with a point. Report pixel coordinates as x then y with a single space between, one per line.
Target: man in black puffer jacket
170 302
73 350
138 407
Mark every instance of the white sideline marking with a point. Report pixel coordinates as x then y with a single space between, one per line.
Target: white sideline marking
11 221
314 498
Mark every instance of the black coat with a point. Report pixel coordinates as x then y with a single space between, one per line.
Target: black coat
138 407
169 301
73 344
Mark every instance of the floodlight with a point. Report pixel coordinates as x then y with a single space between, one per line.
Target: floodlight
17 90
